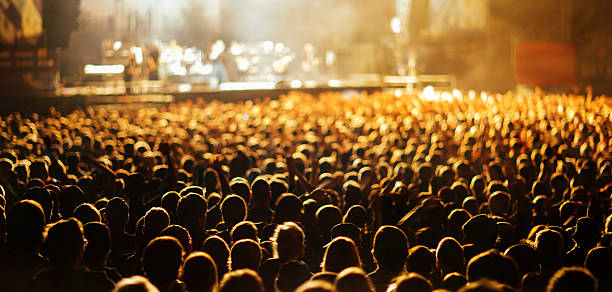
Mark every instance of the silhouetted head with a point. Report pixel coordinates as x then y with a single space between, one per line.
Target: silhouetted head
162 259
390 248
64 244
87 213
233 210
117 213
43 197
291 275
353 279
411 282
241 280
25 223
526 258
181 234
244 230
98 242
288 241
200 273
494 265
245 254
135 284
191 211
216 247
69 199
316 286
572 279
340 254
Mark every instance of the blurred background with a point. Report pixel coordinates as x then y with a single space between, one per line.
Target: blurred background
71 47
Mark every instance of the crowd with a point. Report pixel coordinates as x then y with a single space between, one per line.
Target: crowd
342 193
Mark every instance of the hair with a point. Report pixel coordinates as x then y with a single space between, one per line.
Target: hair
64 243
191 211
494 265
200 273
411 282
340 254
316 286
216 247
288 241
162 259
420 260
25 223
245 254
98 240
572 279
353 279
87 213
449 255
390 248
291 275
244 230
117 212
135 284
233 210
526 258
241 280
181 234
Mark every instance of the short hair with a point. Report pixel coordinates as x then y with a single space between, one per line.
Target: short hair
572 279
135 284
200 272
485 285
191 209
340 254
162 259
244 230
288 241
87 213
64 242
494 265
25 223
117 211
245 254
450 256
98 240
216 247
233 210
410 282
241 280
353 279
316 286
181 234
390 247
291 275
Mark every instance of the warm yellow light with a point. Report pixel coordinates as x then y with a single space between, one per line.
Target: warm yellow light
396 25
103 69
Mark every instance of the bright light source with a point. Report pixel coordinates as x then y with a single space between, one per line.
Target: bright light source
429 93
396 25
268 46
330 58
103 69
217 49
247 85
117 45
185 87
398 93
457 94
334 83
295 84
137 52
310 83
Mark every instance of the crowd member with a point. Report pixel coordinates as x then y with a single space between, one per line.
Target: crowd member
329 193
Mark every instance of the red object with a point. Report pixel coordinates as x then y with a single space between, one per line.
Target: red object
546 64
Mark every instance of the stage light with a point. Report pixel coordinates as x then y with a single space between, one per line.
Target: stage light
334 83
185 87
295 84
247 85
137 52
117 45
396 25
103 69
